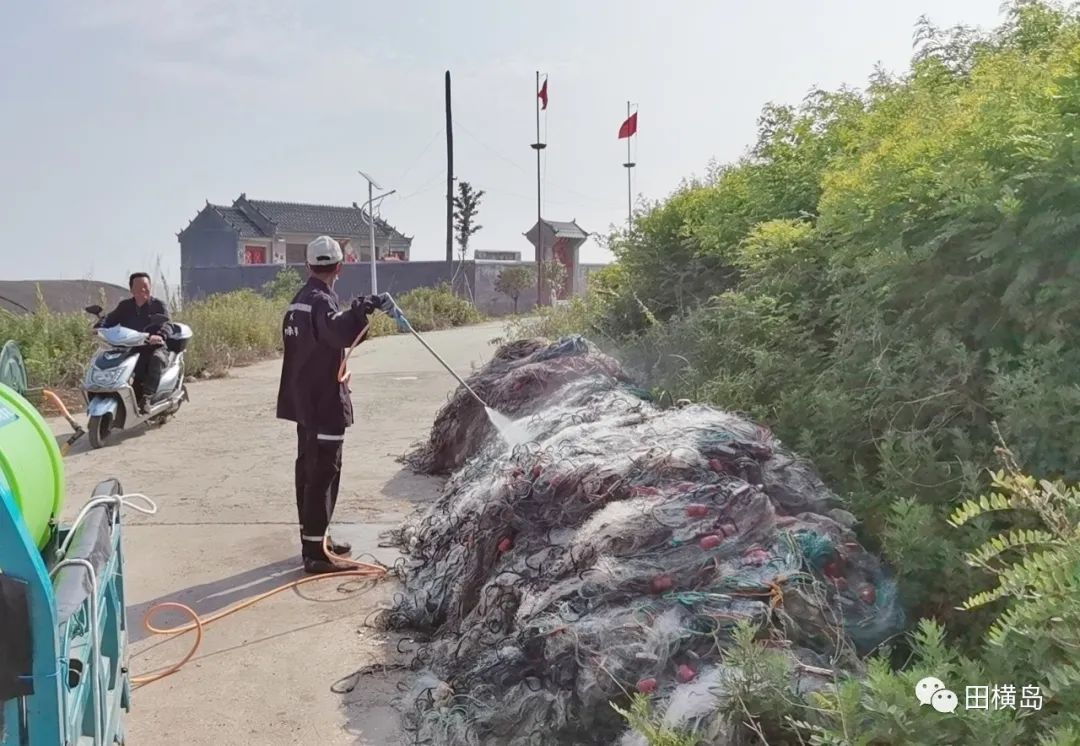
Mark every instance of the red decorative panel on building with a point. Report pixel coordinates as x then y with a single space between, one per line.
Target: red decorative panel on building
561 251
254 255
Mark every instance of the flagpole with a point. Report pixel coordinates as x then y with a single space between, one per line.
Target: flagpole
629 189
538 146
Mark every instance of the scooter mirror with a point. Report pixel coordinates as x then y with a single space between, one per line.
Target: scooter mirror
95 310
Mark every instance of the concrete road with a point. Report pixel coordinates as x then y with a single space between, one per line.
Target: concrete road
221 474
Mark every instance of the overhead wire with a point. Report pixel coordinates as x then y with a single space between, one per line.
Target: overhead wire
418 158
593 200
427 186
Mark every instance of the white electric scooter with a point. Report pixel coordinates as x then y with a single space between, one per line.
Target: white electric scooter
108 384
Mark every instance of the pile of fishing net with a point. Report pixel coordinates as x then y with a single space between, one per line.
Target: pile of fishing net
520 377
614 552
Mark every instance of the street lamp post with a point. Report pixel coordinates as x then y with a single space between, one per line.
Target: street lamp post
371 186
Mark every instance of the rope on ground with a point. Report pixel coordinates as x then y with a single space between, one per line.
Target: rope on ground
198 623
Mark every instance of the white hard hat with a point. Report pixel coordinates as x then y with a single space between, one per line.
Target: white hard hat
324 251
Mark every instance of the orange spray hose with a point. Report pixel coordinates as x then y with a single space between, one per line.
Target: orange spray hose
343 373
60 405
199 623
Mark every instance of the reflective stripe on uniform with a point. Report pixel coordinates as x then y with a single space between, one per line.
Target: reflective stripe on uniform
305 307
305 537
320 436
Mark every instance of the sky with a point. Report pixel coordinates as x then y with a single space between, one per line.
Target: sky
119 119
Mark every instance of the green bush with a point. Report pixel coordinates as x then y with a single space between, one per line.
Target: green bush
573 317
55 347
285 285
1032 642
231 329
430 309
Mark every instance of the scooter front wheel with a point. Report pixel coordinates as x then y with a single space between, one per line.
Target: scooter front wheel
99 429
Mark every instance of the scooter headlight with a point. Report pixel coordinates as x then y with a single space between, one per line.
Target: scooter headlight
111 378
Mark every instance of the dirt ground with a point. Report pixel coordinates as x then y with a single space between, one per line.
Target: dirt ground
226 529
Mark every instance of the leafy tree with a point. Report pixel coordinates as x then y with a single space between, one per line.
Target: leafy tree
285 284
513 281
466 205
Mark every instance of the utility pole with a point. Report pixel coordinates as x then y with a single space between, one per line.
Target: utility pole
449 180
371 224
371 186
539 146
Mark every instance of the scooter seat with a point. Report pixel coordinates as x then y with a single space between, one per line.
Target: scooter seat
92 541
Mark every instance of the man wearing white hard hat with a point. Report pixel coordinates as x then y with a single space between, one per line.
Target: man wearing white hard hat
316 334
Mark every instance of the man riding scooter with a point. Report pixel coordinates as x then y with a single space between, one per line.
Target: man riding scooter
142 312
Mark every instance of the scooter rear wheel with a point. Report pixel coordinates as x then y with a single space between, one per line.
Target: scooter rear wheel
99 430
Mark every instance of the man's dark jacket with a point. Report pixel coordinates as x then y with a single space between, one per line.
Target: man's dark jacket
136 317
316 334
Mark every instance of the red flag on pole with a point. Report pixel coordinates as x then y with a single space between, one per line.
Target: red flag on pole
543 95
629 127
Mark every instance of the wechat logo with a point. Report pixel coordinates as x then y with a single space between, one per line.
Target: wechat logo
931 691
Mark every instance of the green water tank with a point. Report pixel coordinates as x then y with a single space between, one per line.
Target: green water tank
30 464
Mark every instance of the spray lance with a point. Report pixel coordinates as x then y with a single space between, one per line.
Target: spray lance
391 309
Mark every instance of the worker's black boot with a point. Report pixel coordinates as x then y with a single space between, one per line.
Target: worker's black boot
340 548
314 566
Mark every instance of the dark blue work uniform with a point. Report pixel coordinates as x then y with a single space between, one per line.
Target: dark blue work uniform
316 334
